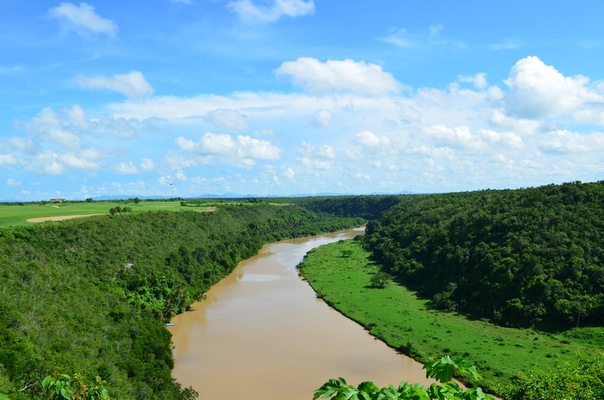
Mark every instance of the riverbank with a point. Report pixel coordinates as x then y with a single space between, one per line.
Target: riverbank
263 327
340 273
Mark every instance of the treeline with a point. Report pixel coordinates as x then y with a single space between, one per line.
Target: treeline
91 295
368 207
529 257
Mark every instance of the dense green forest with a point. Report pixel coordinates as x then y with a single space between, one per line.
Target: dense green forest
91 295
368 207
526 258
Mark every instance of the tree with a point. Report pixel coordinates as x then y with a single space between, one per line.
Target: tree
379 280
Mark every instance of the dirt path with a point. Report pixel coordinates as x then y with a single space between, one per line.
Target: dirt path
60 217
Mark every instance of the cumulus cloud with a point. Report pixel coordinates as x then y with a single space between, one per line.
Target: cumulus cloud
316 158
564 141
538 90
479 80
84 160
147 164
464 137
247 10
370 139
84 20
242 150
228 119
132 84
126 168
48 127
339 75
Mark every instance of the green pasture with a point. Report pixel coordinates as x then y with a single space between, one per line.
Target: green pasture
341 273
18 214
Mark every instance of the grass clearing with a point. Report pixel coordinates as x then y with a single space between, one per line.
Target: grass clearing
340 273
18 214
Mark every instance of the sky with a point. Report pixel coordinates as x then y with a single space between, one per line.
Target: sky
186 98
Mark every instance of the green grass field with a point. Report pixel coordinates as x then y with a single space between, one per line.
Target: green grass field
14 214
340 273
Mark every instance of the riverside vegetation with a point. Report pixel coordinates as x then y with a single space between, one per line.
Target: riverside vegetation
89 297
512 280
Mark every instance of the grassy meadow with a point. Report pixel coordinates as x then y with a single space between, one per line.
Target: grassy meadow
13 214
340 273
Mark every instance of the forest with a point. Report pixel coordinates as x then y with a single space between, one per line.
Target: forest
522 258
91 296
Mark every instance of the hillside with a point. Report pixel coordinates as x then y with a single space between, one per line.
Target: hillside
529 257
91 295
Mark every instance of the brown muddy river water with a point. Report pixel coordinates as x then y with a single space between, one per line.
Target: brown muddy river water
261 334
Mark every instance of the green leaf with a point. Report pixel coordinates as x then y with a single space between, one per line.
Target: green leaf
368 387
47 381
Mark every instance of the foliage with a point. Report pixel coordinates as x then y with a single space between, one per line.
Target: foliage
442 371
93 294
368 207
119 210
583 381
379 280
527 257
63 386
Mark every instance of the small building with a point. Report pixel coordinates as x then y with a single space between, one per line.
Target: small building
57 200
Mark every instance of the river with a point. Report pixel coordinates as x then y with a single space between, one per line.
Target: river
261 334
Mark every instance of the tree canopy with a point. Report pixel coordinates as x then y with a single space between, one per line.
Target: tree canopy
525 257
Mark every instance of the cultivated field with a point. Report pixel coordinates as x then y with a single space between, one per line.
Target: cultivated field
27 213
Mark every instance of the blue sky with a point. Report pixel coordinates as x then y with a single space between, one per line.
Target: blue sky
287 97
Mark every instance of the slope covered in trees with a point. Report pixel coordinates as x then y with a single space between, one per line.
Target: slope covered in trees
527 257
91 295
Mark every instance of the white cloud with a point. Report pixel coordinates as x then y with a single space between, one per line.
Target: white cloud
370 139
479 80
564 141
247 10
435 30
289 174
506 44
13 182
538 90
48 127
401 38
243 150
339 75
322 119
84 19
321 158
228 119
147 164
80 161
126 168
46 163
7 159
132 84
